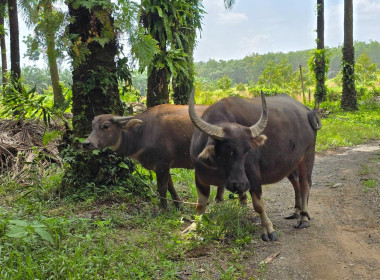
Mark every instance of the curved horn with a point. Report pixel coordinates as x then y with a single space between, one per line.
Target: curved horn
213 131
122 119
259 127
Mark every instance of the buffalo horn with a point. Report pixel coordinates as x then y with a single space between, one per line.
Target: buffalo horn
259 127
213 131
122 119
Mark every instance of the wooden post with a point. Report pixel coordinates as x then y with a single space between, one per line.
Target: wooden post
303 89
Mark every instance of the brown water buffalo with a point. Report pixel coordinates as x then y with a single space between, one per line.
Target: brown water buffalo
158 138
242 144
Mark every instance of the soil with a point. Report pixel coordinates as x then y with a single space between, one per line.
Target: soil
343 241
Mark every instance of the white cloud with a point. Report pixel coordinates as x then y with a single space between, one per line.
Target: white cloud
261 43
229 18
367 7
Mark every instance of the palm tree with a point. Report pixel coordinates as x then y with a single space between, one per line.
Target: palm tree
95 89
93 51
320 59
159 18
14 40
348 100
229 3
189 21
47 20
3 49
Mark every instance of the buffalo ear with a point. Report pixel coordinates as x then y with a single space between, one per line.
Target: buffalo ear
259 141
207 155
131 124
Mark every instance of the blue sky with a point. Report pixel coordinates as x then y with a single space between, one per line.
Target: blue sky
254 26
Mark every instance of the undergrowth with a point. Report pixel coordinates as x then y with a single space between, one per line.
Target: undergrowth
349 128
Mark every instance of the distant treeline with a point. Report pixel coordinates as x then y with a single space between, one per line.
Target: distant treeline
250 68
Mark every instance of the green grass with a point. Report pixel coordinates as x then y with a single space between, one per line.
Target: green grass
349 128
44 237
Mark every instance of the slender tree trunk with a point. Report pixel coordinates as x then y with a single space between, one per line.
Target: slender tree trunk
320 93
158 79
158 87
52 59
14 40
4 66
348 101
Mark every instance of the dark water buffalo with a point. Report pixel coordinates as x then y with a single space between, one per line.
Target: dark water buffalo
242 144
158 138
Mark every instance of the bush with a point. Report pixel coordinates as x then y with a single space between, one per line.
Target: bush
224 83
240 87
103 174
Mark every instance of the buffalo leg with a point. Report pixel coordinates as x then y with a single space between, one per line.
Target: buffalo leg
266 224
243 199
294 179
173 193
305 169
203 192
219 194
162 185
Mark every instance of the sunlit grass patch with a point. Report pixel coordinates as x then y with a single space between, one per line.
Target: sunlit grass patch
349 128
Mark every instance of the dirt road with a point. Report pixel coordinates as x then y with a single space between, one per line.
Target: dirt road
343 241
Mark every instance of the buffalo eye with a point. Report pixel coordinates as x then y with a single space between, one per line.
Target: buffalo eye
106 125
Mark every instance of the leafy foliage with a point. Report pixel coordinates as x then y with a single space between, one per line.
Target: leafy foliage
365 71
224 83
116 174
319 65
23 102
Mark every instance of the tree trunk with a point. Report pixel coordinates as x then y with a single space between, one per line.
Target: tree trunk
3 47
52 59
95 91
95 86
348 101
320 75
158 86
14 40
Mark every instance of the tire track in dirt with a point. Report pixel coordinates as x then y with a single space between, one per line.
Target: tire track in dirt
343 241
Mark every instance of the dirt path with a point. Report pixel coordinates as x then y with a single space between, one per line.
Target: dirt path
343 241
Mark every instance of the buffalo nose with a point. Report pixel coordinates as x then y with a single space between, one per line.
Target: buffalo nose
238 187
86 144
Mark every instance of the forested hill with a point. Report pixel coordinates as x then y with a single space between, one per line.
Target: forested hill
250 67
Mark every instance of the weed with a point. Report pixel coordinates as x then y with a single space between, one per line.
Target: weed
364 169
370 184
227 221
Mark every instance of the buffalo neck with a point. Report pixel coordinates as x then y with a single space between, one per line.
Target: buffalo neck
131 143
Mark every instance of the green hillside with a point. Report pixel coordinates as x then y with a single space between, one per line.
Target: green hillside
251 67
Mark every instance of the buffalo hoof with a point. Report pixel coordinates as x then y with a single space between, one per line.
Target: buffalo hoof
179 206
302 224
292 216
269 237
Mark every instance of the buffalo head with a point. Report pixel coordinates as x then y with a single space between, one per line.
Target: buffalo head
228 144
107 131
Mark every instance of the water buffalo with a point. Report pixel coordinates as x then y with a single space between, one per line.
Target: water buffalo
236 145
158 138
